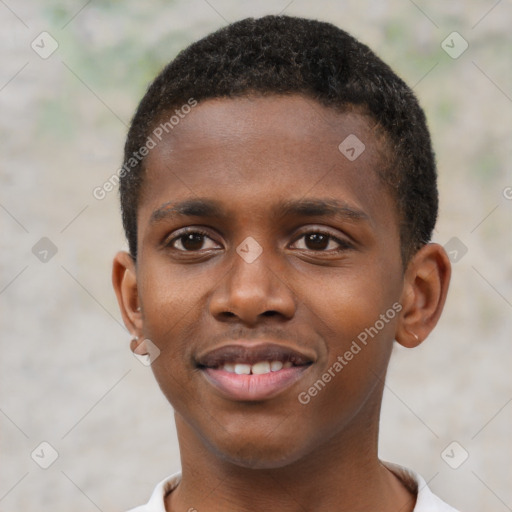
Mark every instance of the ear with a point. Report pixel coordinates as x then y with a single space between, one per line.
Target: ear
426 284
124 280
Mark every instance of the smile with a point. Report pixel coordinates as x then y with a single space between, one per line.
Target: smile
253 373
256 369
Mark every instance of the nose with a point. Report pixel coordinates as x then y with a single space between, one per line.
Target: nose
251 291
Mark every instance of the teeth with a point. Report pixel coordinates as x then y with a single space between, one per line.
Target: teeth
228 367
259 368
242 369
275 366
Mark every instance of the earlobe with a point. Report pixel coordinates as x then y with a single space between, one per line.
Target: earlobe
138 346
424 294
124 280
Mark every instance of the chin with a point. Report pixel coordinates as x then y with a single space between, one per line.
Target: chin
259 453
254 460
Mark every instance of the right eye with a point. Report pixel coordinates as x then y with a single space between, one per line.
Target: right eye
191 240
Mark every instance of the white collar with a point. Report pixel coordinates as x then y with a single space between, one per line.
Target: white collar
426 501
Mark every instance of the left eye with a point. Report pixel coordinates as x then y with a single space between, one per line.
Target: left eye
318 241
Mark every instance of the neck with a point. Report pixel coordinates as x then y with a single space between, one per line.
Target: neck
342 474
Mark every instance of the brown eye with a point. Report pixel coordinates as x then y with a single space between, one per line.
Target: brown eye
317 241
321 242
192 241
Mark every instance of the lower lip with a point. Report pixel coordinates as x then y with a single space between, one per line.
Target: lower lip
253 387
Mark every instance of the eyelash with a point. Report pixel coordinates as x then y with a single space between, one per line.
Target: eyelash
185 232
344 245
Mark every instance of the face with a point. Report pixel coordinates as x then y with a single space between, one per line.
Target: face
268 275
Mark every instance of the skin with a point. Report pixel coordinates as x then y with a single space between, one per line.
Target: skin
316 294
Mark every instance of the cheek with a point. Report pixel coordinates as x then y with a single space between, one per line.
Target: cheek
358 331
356 314
355 303
169 297
171 315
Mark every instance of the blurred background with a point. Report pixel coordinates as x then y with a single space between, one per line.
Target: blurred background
83 424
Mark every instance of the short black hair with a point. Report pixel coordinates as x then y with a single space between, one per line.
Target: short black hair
282 55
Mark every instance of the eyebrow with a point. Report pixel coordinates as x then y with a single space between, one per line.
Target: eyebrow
204 207
322 208
201 207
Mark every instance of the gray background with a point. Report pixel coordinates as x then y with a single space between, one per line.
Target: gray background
67 376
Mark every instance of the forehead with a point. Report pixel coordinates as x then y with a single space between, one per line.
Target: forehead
221 121
252 150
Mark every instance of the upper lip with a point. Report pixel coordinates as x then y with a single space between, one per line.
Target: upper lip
245 352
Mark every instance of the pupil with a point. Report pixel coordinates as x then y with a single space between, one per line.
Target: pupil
317 241
192 241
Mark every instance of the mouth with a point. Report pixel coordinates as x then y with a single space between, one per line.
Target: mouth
253 373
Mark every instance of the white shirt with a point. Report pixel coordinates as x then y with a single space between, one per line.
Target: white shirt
425 501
